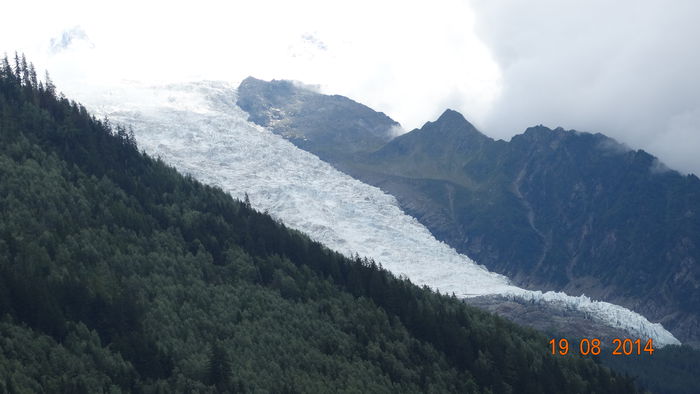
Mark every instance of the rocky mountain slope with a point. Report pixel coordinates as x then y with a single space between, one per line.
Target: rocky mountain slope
551 209
333 126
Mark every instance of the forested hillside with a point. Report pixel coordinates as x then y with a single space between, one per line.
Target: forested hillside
672 370
118 274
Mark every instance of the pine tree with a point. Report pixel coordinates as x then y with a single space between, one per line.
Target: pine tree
32 75
5 69
25 71
246 200
121 133
18 68
219 368
130 137
50 87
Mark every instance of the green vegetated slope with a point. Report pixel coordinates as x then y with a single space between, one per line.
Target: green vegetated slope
551 209
671 370
119 274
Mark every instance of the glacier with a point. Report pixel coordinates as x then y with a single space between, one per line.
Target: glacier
198 128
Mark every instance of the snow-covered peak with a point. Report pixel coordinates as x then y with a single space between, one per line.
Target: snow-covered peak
69 38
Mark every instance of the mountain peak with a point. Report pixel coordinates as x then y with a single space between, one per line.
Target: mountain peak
269 89
544 134
450 113
70 38
537 130
250 79
454 118
454 123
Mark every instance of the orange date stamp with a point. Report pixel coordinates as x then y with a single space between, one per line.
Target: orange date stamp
586 346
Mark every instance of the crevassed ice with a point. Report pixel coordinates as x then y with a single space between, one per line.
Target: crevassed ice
199 129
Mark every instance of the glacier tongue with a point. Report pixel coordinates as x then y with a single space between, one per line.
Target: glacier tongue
199 129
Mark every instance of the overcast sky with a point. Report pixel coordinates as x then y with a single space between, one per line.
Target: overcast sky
628 69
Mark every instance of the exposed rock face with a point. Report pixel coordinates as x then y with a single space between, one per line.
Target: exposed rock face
331 127
554 322
552 209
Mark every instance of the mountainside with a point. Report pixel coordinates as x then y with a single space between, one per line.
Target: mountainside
328 126
119 274
551 209
197 128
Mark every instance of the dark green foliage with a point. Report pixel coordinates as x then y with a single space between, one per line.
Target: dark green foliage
219 369
119 274
671 370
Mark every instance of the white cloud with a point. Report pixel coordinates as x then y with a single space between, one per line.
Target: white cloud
626 68
406 58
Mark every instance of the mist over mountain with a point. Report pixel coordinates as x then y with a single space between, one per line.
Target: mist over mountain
551 209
